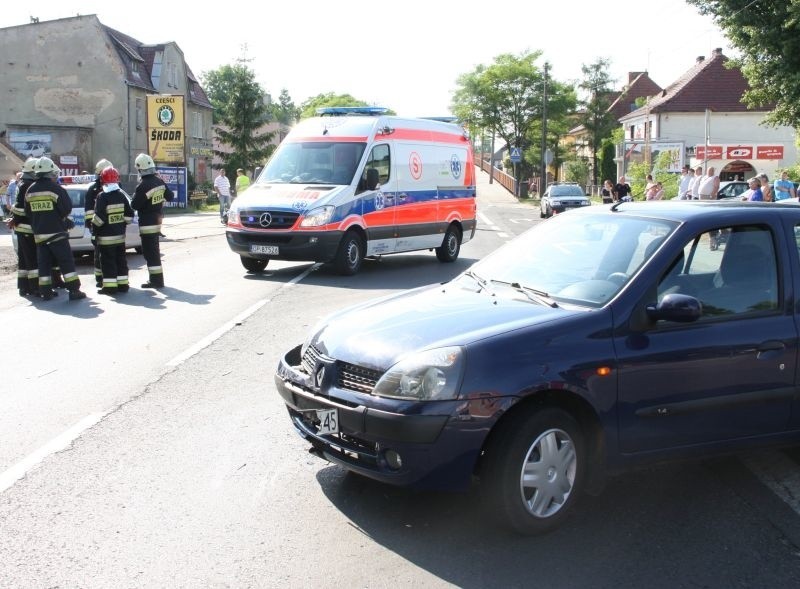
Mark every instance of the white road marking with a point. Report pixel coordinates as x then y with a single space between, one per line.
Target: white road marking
486 221
779 473
218 333
21 468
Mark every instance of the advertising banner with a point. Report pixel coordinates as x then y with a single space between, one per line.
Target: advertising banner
714 152
175 178
769 152
165 128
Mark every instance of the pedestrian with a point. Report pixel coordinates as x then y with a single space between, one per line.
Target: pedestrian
11 194
148 201
687 175
607 192
27 266
766 189
242 182
112 214
88 207
622 190
694 187
754 193
709 185
784 188
222 186
49 208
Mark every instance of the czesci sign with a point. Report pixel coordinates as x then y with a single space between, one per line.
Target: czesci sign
739 152
165 128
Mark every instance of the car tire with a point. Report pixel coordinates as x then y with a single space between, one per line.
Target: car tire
541 213
350 254
535 470
451 245
254 265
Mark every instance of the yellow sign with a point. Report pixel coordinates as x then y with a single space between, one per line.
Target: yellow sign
165 128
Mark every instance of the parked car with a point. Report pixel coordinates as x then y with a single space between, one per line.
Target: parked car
560 197
599 340
732 189
79 237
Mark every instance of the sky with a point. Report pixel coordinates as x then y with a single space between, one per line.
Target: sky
405 54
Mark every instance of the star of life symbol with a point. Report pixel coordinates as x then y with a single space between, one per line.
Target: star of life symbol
380 201
455 166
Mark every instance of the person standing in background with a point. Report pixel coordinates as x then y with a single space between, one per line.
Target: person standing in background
784 188
242 181
148 200
222 186
709 185
622 190
687 175
766 189
11 194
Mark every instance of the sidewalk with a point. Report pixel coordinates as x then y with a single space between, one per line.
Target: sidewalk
493 193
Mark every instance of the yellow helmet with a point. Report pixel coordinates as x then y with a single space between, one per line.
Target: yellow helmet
102 165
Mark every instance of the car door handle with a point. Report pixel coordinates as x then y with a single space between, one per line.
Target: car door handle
770 349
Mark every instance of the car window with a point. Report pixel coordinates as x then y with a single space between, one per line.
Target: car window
731 270
77 195
566 191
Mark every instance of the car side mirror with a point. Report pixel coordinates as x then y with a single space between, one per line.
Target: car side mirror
676 307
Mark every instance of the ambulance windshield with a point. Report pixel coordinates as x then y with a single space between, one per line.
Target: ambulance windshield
314 162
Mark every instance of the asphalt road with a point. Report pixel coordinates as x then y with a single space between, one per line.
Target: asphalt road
185 471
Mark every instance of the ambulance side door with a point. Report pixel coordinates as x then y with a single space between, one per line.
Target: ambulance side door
376 192
417 196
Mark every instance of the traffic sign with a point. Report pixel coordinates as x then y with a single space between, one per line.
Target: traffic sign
516 155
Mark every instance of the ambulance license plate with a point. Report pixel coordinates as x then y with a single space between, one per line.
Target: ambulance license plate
270 250
328 421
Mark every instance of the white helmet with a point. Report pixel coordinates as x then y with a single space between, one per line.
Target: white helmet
102 165
45 167
29 165
145 164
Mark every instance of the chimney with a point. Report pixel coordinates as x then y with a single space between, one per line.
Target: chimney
717 52
701 58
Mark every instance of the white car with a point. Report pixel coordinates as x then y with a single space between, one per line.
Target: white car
79 237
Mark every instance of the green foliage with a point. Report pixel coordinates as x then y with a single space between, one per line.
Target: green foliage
766 34
243 110
637 174
608 167
507 98
310 106
594 116
576 171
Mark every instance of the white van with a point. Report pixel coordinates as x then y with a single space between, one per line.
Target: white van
355 183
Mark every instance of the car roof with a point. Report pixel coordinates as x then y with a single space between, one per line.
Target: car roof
687 210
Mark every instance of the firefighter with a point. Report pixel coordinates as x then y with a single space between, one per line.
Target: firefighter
27 267
48 207
112 213
148 201
88 206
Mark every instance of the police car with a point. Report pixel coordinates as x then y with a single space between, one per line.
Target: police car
79 237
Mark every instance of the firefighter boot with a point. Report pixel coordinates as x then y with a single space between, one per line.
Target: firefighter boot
76 295
47 293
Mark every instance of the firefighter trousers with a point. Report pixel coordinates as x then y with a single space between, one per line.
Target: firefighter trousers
152 256
115 267
56 253
27 266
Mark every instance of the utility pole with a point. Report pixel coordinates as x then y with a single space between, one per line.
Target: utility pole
543 182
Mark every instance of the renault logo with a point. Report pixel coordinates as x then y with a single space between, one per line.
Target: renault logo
265 220
319 376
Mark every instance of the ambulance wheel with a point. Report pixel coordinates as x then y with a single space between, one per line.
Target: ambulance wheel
254 265
350 255
451 245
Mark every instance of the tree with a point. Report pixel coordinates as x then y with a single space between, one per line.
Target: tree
285 112
506 98
242 110
595 116
766 34
310 106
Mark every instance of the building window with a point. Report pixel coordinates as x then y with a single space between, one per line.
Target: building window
139 113
197 125
135 67
173 75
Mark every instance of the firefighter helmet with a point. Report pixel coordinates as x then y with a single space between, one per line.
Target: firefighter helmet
109 175
145 164
102 165
29 165
45 166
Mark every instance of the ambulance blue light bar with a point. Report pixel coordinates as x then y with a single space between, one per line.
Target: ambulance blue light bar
339 111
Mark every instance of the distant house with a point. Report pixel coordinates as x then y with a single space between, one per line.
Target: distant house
700 120
76 90
622 102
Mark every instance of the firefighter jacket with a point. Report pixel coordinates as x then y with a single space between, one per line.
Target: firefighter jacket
148 200
112 213
89 202
48 206
22 224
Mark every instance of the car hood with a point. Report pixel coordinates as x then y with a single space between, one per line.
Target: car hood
377 334
287 196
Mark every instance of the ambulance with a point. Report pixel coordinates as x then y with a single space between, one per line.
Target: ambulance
355 183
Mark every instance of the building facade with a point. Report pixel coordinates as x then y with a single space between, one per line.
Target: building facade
76 90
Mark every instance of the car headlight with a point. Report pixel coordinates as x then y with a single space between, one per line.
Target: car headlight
556 204
233 215
432 375
317 217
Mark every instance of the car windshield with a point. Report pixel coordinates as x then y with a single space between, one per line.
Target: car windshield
571 190
304 162
580 259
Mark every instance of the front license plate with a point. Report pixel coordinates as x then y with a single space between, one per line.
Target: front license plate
270 250
328 421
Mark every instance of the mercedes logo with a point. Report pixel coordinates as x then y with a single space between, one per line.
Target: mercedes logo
265 220
319 376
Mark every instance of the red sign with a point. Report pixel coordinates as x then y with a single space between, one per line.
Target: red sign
769 152
714 152
739 152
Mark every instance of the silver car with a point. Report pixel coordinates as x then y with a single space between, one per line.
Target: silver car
560 197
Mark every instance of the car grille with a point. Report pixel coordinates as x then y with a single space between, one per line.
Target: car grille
348 376
279 219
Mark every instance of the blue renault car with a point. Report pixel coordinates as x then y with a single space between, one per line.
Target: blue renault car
600 339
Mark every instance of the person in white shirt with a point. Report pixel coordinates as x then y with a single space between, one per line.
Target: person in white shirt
709 185
694 187
222 186
687 176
